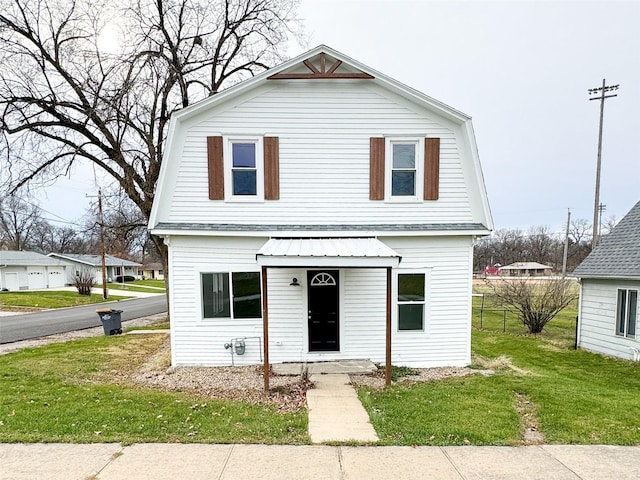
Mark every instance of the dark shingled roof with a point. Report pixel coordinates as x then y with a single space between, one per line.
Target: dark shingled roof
618 254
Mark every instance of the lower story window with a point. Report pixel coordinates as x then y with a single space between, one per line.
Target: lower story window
241 299
411 289
627 313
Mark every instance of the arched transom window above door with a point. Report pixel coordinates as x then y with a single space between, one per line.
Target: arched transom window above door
323 279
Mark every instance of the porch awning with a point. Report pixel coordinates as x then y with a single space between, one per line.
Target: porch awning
327 252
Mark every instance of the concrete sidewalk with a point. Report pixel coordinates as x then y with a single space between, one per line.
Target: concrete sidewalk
335 412
279 462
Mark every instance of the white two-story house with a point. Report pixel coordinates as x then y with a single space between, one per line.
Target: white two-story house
320 211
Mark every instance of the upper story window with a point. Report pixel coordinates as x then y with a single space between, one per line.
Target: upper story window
243 169
403 170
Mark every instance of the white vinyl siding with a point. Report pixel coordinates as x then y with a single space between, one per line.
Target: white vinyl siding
598 313
324 133
198 341
448 266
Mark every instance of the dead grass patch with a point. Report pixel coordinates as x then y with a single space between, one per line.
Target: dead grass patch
530 427
499 363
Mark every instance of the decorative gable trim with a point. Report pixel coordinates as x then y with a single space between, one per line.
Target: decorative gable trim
215 163
320 73
271 168
431 168
376 168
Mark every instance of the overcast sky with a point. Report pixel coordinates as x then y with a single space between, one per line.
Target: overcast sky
521 70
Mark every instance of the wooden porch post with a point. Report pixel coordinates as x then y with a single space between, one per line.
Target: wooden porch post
387 370
265 329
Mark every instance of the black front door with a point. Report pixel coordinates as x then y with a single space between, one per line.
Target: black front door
323 311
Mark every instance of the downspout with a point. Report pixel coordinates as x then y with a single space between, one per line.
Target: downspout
579 319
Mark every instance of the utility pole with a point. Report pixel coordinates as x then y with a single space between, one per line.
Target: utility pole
601 95
601 208
105 293
566 244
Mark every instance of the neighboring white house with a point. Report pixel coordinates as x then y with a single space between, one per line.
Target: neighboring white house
21 270
115 266
296 204
610 282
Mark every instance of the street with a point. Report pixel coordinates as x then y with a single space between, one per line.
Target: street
32 325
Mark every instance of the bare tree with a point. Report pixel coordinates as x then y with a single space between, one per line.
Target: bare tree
580 230
19 219
51 238
64 100
608 224
124 227
540 244
537 303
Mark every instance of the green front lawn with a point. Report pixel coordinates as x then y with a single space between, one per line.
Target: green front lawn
71 392
132 287
575 396
51 299
149 283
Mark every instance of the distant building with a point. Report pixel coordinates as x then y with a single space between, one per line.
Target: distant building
115 266
526 269
30 271
153 271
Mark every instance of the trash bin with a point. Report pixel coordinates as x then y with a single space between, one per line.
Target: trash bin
111 321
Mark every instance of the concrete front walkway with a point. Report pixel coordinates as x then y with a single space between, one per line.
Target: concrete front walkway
319 462
335 412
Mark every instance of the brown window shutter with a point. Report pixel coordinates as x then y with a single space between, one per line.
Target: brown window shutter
376 168
271 168
431 168
216 168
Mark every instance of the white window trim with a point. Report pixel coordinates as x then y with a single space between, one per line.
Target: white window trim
627 309
419 187
230 271
228 166
426 324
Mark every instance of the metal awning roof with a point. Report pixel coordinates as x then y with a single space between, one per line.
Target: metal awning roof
326 252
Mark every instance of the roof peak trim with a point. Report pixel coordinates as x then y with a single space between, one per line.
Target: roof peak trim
321 73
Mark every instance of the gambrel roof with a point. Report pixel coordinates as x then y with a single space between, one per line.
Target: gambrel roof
618 254
322 65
